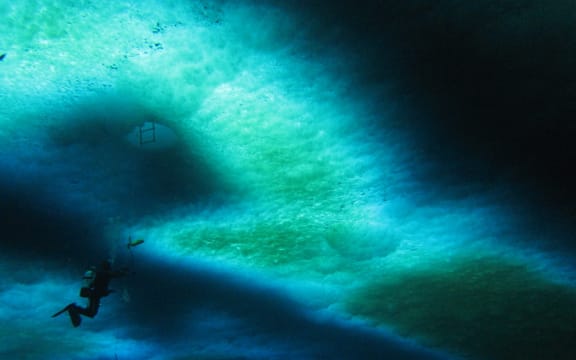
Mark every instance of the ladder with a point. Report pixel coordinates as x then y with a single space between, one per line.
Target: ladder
147 132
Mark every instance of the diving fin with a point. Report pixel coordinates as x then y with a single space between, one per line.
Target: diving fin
66 308
73 313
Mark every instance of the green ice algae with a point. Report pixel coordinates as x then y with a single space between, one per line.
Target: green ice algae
483 308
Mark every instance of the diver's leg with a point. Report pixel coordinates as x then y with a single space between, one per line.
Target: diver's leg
92 309
74 314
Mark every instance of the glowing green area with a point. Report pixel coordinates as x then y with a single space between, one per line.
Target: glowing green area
301 172
263 244
306 183
286 134
480 306
300 247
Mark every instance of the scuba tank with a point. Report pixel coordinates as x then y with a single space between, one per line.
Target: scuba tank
87 282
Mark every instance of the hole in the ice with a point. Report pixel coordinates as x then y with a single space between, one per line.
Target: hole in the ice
130 160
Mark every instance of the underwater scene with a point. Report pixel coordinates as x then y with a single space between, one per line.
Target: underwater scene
299 179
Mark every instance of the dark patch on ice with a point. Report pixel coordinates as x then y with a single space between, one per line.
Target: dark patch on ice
166 296
488 90
36 228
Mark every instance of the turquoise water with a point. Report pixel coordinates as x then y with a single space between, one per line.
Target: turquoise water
290 199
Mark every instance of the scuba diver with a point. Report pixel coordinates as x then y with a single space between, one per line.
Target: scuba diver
95 287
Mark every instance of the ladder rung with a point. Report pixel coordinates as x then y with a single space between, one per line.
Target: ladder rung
147 130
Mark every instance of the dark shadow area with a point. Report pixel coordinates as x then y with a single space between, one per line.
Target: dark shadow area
163 295
88 161
104 135
493 85
36 228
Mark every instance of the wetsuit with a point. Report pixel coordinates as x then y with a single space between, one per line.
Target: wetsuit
97 290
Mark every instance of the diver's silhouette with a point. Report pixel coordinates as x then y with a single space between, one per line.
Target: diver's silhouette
95 288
